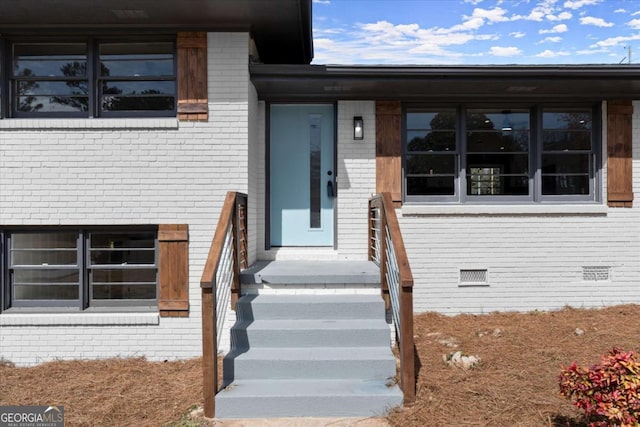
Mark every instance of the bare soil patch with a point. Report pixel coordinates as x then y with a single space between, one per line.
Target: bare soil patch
515 383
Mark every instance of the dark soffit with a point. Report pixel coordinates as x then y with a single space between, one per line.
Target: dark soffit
446 83
281 28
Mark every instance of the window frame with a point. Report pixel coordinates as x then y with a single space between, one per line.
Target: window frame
84 267
535 155
8 80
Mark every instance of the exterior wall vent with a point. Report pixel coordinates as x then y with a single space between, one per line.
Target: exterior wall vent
479 277
596 274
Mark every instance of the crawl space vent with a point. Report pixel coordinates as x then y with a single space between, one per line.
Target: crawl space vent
473 277
595 274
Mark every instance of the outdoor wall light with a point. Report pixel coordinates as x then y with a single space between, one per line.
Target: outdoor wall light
358 128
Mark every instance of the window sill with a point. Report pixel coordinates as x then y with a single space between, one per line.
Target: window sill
506 210
79 319
71 123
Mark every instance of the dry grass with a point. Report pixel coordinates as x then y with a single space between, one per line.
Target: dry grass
514 385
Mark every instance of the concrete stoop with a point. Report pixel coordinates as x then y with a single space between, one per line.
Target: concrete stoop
309 356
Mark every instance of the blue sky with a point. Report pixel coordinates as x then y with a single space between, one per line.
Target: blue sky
460 32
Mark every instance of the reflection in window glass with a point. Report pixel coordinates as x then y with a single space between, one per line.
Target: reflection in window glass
566 152
431 163
122 266
64 66
137 77
44 266
497 152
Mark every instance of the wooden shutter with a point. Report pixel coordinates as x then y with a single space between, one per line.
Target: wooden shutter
389 149
619 154
173 270
192 76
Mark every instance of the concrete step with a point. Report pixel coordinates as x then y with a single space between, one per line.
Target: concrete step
305 398
311 333
373 363
311 272
297 307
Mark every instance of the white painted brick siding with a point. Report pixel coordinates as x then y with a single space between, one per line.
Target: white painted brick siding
356 178
533 261
130 171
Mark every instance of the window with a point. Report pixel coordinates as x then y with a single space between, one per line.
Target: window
81 269
92 78
540 154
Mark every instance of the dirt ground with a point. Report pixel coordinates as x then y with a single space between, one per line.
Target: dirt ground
515 383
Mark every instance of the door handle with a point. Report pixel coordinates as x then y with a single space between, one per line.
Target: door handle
330 189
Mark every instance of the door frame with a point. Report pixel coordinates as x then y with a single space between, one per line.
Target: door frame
267 167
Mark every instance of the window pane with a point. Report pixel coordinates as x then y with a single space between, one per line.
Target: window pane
498 146
53 104
39 257
136 59
36 87
489 181
51 60
139 88
431 186
431 141
124 292
138 103
44 276
567 120
565 163
129 275
123 240
497 141
508 163
565 184
432 120
44 240
431 164
566 140
564 171
502 120
119 256
46 292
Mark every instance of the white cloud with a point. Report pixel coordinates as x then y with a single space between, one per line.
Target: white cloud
635 13
322 1
560 28
517 34
615 41
473 2
621 10
634 23
505 51
577 4
552 54
562 16
598 22
550 40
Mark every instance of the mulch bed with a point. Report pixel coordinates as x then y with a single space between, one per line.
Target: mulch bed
515 383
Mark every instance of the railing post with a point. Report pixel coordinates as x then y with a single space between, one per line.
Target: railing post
209 352
384 284
235 255
407 361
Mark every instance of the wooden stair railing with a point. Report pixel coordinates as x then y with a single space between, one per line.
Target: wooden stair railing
386 248
220 285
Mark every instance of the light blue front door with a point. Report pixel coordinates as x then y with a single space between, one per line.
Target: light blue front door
302 176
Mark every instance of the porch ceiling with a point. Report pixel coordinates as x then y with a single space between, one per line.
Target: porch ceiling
446 83
281 28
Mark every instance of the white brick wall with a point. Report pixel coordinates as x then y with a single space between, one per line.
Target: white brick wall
98 171
534 261
356 178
